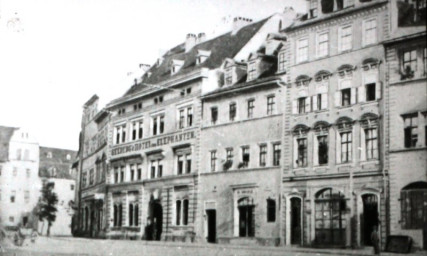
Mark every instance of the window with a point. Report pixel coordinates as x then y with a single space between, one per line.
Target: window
118 214
322 149
84 178
313 8
158 124
91 177
183 164
228 76
371 138
116 175
123 133
137 106
302 152
213 161
370 92
301 105
27 196
369 32
214 115
19 154
181 208
345 38
134 130
122 173
245 156
302 50
139 172
12 196
185 117
140 130
252 72
271 210
276 154
121 111
49 155
411 127
262 155
156 169
28 173
282 62
322 44
158 99
185 212
15 171
232 111
72 187
346 97
229 153
270 104
178 212
251 106
181 118
409 63
413 199
346 144
189 116
133 214
320 101
132 172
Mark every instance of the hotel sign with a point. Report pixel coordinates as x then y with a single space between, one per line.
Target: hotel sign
165 140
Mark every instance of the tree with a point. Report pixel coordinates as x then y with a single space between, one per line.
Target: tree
47 205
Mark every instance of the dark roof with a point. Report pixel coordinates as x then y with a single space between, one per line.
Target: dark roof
221 47
303 21
5 135
58 163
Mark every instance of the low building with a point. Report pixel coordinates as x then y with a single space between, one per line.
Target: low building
55 167
20 184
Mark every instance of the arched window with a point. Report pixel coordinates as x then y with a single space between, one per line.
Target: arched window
346 70
330 220
302 80
271 210
322 75
413 199
370 63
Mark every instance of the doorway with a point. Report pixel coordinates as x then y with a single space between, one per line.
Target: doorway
370 217
246 217
296 220
211 218
156 217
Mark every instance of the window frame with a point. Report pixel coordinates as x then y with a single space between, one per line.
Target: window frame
302 152
321 49
271 103
251 107
348 145
277 151
263 155
367 33
302 56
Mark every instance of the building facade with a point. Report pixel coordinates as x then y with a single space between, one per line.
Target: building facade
55 167
19 180
405 109
333 177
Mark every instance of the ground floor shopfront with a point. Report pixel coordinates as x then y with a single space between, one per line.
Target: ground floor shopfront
333 211
92 212
240 206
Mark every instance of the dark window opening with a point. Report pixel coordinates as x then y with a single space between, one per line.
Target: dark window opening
346 97
302 152
370 92
232 111
323 149
214 115
271 210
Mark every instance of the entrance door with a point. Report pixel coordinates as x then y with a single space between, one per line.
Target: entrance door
295 220
157 219
246 217
211 216
370 217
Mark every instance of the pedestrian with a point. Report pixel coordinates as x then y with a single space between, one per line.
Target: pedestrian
375 240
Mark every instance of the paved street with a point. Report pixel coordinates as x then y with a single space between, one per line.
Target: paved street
79 246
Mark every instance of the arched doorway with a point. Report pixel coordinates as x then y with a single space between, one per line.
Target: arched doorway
156 218
330 221
370 217
246 209
295 223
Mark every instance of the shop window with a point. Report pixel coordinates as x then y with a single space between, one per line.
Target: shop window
413 199
271 210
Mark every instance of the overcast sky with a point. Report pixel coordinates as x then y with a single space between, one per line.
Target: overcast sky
61 52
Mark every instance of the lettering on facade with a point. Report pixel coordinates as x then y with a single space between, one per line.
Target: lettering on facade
153 143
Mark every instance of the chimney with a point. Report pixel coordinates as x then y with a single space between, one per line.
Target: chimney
201 37
239 22
190 41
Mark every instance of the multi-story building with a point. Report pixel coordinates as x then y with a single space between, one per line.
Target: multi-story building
19 180
55 167
406 122
92 170
155 144
240 143
334 182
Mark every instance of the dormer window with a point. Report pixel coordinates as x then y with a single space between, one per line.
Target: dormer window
202 56
313 8
159 61
252 71
176 65
228 76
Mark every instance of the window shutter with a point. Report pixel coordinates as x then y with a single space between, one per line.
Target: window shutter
315 151
324 101
361 93
314 105
295 107
362 145
338 148
295 153
338 99
353 96
378 90
307 104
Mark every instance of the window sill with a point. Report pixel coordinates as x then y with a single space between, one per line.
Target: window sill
420 148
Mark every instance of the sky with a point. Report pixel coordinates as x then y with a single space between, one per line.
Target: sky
55 54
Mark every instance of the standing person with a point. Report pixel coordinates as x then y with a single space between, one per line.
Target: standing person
375 240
